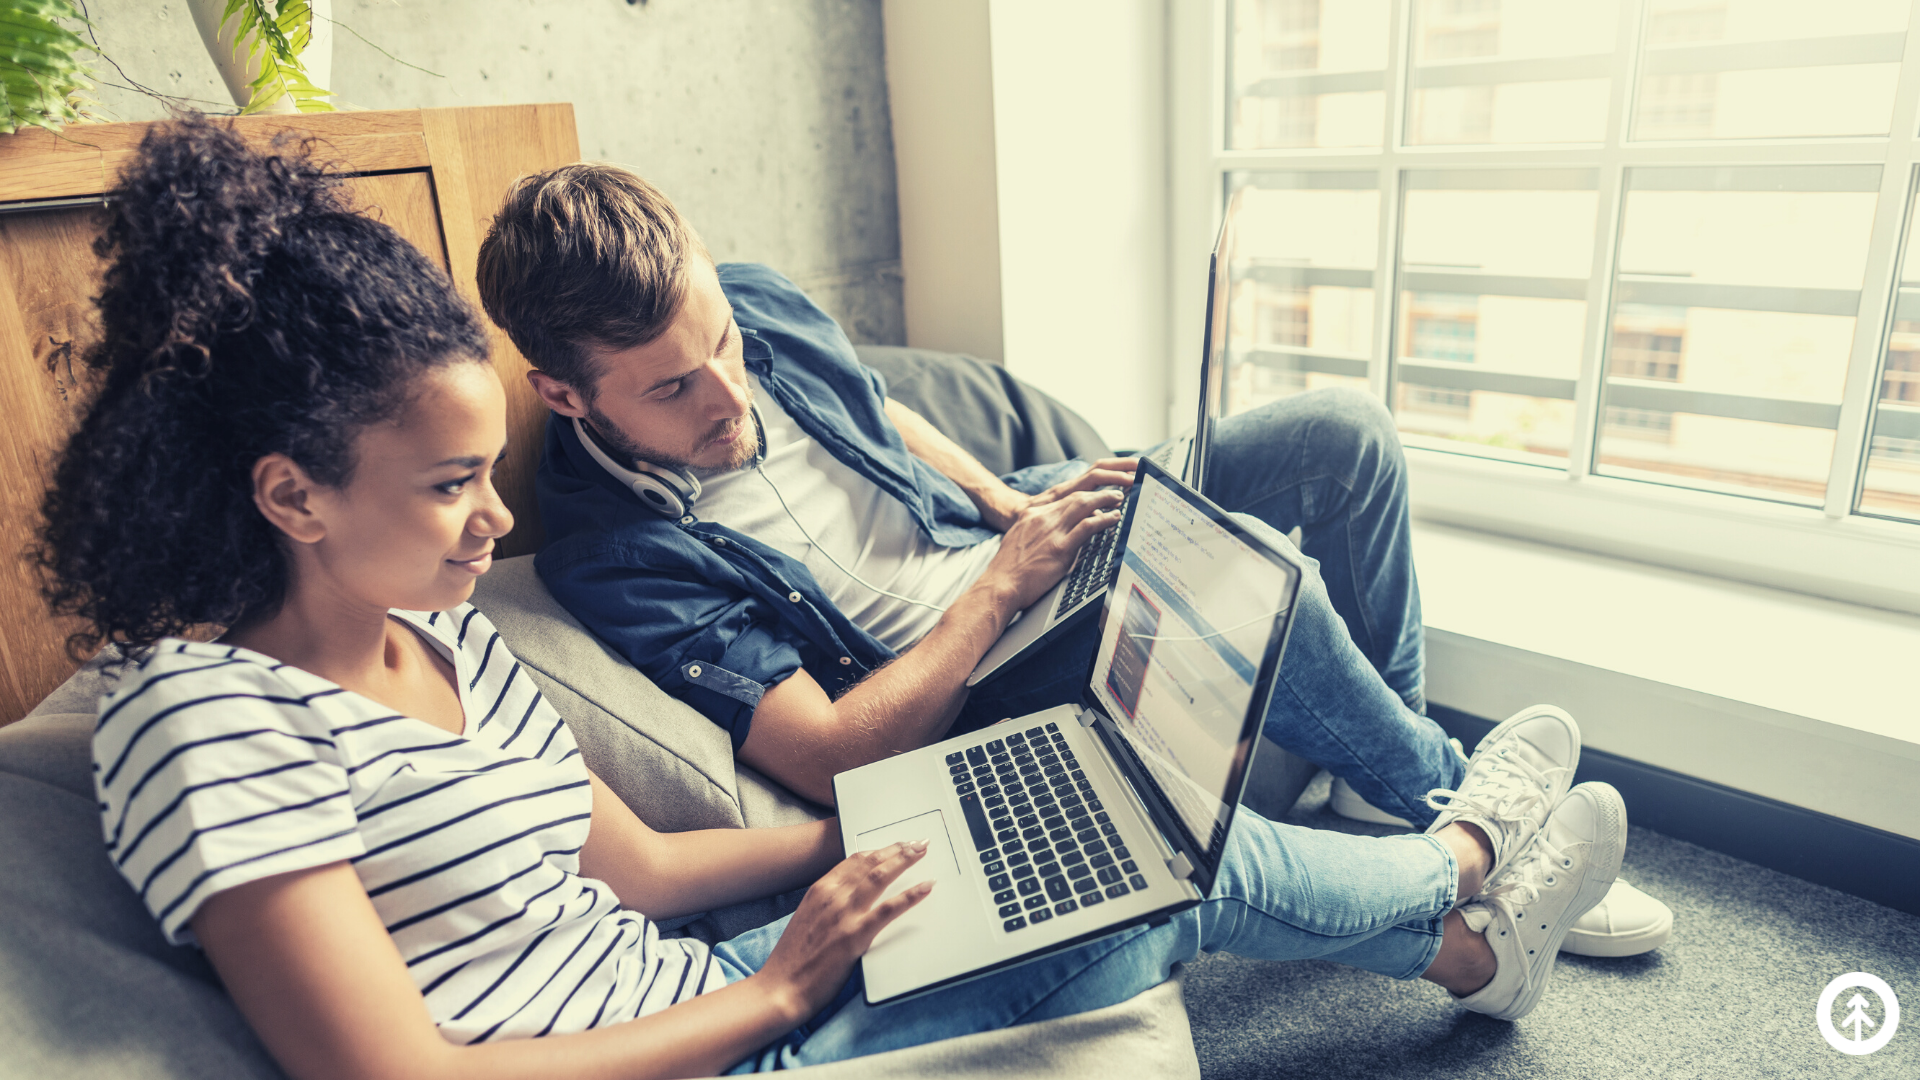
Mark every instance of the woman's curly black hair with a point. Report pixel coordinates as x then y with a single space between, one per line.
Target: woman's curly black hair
246 311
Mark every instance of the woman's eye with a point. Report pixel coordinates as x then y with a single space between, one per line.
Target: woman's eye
453 487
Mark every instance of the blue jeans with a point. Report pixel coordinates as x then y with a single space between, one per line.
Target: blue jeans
1283 893
1350 695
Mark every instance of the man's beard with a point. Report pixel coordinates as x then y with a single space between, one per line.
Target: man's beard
744 447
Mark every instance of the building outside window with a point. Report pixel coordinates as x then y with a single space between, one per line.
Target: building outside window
1658 247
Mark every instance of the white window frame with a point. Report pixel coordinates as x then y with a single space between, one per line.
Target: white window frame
1827 550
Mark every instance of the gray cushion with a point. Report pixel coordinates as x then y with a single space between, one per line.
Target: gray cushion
54 748
1000 420
88 988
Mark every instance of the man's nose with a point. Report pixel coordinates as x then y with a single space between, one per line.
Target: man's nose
733 397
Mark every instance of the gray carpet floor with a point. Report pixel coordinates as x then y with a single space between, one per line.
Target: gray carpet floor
1732 993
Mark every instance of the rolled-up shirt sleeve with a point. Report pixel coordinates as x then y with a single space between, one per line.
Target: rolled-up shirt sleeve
684 635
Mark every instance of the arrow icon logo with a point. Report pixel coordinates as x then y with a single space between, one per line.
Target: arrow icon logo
1862 1042
1857 1017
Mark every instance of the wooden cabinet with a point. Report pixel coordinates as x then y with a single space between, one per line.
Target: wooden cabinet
435 175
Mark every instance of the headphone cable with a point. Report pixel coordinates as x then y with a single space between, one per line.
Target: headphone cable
817 546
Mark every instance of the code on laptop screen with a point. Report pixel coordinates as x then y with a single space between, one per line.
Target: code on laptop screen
1192 612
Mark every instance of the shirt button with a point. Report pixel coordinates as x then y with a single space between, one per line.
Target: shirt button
846 660
719 541
794 596
693 671
688 520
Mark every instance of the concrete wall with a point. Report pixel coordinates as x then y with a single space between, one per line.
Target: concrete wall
765 120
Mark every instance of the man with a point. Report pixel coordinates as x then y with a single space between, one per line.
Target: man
735 506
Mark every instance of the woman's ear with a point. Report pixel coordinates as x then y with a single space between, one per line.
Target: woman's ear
283 491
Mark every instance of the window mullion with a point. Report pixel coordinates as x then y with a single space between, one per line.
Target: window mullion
1583 446
1879 286
1386 259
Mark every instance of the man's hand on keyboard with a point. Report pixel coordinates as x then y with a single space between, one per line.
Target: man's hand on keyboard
1106 473
1041 543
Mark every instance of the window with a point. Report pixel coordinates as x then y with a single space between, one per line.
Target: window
1442 326
1647 342
1650 424
1635 274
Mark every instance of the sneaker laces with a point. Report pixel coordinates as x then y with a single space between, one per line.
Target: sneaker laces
1541 866
1507 790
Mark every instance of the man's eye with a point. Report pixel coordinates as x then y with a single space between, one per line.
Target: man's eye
671 390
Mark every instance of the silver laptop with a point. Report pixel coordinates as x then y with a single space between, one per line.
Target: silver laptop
1078 593
1052 829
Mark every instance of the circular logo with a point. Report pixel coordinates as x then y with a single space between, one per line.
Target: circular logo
1856 1019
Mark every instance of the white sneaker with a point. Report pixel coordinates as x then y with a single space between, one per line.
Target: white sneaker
1627 922
1517 775
1348 803
1527 912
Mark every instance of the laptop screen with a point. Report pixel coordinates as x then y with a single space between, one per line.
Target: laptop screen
1194 626
1213 352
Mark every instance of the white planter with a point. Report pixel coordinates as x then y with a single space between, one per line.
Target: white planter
238 71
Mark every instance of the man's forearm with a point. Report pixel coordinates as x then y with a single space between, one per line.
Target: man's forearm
802 739
997 502
928 683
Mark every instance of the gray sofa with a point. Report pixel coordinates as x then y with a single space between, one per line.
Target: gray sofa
89 989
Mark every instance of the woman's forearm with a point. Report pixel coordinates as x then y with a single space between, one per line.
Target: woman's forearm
312 968
662 875
728 866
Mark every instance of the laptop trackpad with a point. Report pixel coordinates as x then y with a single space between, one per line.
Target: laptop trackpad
911 935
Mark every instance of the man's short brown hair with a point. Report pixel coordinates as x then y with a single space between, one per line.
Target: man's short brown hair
581 257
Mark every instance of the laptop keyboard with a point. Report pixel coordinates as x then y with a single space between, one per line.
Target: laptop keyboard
1097 566
1047 846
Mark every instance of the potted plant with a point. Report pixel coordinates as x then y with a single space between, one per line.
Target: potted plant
274 55
43 66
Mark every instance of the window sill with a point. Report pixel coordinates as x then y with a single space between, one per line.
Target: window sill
1853 559
1775 693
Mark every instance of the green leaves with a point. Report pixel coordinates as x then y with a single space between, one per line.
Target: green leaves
42 77
283 34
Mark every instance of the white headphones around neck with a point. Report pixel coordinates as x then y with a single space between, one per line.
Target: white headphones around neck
671 492
666 490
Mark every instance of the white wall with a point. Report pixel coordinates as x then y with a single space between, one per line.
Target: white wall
940 89
1038 216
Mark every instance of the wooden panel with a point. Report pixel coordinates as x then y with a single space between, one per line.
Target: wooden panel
48 275
404 201
477 154
84 159
446 167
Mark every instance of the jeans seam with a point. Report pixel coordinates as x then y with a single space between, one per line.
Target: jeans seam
1248 906
1062 984
1353 556
1449 897
1334 735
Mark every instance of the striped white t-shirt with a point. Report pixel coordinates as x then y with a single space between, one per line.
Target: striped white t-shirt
216 766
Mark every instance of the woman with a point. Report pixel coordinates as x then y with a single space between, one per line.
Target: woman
379 832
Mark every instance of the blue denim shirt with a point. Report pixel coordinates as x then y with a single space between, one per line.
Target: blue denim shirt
712 616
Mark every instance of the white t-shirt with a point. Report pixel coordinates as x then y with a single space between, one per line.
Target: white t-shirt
216 766
869 531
